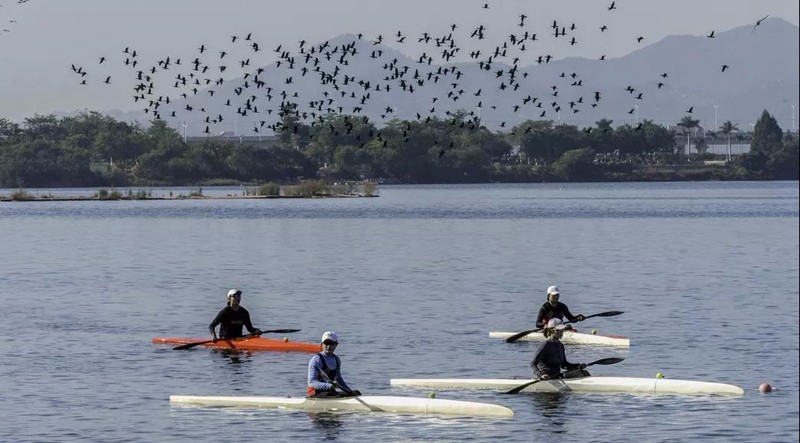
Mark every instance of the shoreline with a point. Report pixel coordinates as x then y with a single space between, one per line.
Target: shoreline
51 198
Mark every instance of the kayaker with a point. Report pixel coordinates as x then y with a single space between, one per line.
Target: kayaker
553 308
550 357
231 319
324 371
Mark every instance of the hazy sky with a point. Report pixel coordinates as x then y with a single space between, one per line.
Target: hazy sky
40 39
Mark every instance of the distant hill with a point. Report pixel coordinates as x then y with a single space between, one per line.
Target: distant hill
763 74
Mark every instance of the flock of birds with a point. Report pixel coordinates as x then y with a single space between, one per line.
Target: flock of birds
7 23
179 88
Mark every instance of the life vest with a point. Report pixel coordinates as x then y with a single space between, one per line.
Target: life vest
331 373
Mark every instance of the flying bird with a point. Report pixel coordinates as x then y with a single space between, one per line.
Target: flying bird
612 6
758 23
711 35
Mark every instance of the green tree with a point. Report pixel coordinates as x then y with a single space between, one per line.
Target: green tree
602 138
43 127
576 165
40 163
784 162
689 124
767 135
658 140
8 129
629 142
728 128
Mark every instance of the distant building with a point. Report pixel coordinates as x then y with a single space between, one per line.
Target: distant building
716 143
264 141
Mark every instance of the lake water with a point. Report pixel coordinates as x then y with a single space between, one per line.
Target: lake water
413 281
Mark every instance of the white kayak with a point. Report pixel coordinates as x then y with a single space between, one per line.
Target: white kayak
364 403
627 385
573 338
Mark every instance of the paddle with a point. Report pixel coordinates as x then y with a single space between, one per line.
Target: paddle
198 343
602 361
519 335
337 385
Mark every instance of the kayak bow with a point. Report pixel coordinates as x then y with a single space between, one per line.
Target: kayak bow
573 338
364 403
619 385
247 344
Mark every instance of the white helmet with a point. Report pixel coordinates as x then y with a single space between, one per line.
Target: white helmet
553 290
234 293
328 335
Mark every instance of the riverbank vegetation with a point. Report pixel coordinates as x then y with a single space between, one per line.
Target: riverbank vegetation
91 149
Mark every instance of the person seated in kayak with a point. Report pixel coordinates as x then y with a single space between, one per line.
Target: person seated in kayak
325 371
231 319
550 357
553 308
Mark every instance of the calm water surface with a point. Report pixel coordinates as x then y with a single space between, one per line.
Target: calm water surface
413 281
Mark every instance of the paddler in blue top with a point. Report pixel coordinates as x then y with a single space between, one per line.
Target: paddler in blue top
231 319
553 308
324 371
550 357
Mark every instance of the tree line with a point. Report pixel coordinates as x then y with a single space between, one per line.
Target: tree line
91 149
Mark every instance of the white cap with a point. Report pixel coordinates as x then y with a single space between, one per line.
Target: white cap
234 292
552 290
556 324
328 335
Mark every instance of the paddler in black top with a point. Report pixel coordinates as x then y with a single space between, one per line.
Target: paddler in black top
552 308
550 357
231 319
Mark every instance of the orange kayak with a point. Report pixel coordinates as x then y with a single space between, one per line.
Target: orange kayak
246 344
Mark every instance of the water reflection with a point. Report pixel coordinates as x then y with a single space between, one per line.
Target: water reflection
552 407
237 361
327 423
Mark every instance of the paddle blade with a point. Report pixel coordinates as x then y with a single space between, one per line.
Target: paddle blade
519 335
605 314
190 345
280 331
606 361
523 386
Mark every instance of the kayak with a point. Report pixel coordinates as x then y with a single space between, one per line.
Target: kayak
625 385
364 403
573 338
246 344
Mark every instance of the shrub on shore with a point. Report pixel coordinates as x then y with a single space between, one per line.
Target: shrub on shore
104 194
21 195
265 190
308 188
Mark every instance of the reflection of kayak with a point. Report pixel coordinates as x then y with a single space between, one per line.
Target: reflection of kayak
573 338
246 344
626 385
364 403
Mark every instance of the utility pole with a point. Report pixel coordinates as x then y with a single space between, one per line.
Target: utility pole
637 113
793 118
716 124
